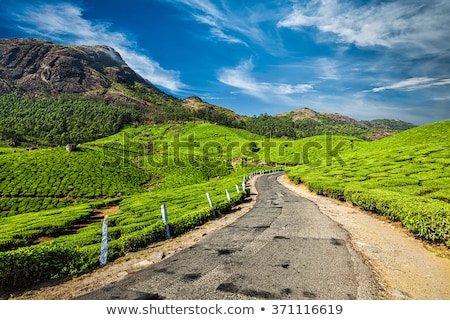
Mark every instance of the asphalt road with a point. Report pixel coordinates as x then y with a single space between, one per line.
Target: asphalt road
283 249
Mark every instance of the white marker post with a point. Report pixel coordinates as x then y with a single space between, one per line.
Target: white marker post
211 205
243 190
104 248
237 189
228 195
165 220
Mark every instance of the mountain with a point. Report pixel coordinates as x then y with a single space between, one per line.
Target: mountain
52 94
310 122
37 67
41 66
82 87
300 114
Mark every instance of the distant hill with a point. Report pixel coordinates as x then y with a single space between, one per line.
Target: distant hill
38 68
309 122
52 94
388 124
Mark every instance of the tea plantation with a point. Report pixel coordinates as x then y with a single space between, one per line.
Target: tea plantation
405 177
45 193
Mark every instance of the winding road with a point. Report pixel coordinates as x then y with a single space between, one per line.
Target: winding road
284 248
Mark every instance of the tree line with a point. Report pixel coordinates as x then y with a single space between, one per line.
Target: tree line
59 121
73 119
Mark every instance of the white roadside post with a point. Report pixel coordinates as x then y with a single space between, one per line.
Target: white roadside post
211 205
243 190
228 195
165 220
237 189
104 248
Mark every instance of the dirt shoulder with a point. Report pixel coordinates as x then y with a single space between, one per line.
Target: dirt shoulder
407 269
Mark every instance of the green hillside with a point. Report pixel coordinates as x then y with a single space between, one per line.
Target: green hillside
138 148
50 178
405 177
69 118
47 193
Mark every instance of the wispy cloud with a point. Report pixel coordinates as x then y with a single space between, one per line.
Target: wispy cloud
419 25
205 12
237 26
240 77
413 84
327 69
443 98
64 23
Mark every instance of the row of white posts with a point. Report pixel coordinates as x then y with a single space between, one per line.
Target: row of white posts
104 247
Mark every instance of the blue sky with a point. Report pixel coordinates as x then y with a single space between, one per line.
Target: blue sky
364 59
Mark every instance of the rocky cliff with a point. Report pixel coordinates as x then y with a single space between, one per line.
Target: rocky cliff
31 65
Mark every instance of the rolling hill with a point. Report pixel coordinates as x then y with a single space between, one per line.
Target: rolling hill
308 122
404 177
69 90
139 148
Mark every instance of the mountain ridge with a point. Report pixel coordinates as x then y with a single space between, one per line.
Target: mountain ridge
307 113
41 69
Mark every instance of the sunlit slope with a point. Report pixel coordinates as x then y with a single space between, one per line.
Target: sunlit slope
119 164
180 154
209 142
405 177
171 164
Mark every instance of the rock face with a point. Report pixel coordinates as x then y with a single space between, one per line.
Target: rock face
71 147
39 66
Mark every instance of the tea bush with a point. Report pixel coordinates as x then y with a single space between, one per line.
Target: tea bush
405 177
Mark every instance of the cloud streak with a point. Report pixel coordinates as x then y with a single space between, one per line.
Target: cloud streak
413 84
64 23
205 12
418 25
240 77
227 24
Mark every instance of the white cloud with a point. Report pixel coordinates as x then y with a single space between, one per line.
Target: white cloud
64 23
420 25
205 12
413 84
221 35
240 77
443 98
237 26
327 68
